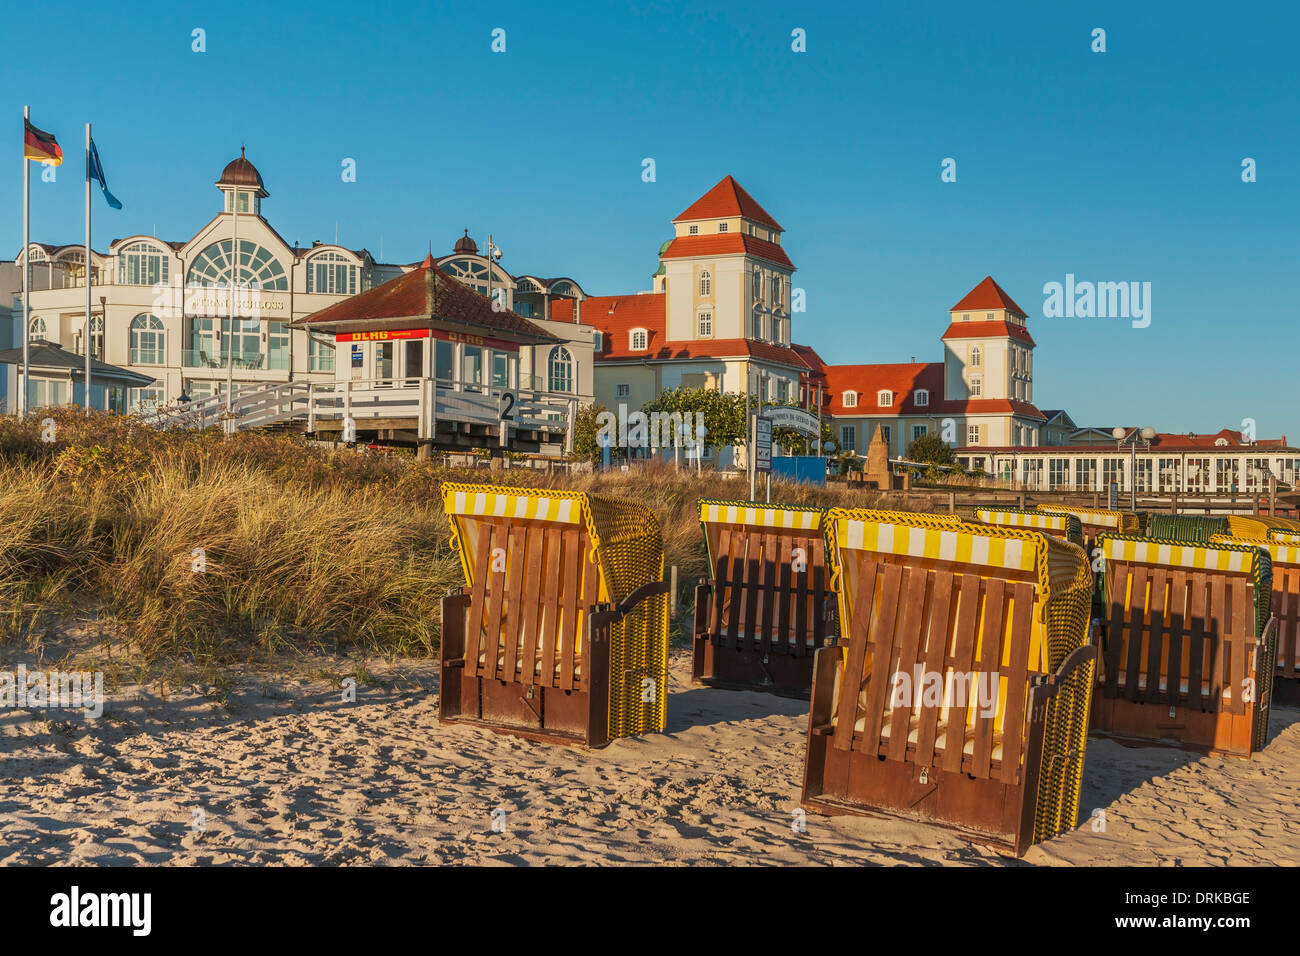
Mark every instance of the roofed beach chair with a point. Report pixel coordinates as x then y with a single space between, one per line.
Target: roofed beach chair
1185 527
958 692
766 605
1057 524
1189 644
1097 521
561 630
1285 558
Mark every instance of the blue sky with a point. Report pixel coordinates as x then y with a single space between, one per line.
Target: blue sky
1115 166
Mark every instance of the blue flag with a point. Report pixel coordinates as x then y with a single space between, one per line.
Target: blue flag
96 172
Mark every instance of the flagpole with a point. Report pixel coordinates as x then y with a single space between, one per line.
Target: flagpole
27 269
234 283
89 334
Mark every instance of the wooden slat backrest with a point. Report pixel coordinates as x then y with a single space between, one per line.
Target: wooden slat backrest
533 582
759 598
1286 605
1179 625
930 618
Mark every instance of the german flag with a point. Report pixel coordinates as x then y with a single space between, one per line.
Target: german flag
41 146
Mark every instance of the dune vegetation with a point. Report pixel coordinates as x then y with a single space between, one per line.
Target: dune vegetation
203 547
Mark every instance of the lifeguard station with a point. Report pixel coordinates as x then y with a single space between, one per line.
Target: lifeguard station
561 630
1190 644
958 693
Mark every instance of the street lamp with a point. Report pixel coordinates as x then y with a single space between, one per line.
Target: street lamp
1145 435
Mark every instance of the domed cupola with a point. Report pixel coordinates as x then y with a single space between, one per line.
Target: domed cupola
465 245
241 182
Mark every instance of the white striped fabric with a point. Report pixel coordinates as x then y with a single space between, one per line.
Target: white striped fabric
1200 557
1103 519
542 506
759 516
939 544
1018 519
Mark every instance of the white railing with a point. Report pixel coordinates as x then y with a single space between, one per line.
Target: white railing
424 402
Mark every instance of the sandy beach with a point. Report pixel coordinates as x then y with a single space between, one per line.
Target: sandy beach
288 773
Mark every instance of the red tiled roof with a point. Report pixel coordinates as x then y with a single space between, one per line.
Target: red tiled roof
989 406
426 293
983 330
1166 443
988 295
816 367
616 316
728 199
726 243
869 380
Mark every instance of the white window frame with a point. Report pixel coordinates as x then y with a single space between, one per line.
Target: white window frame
706 282
632 337
972 434
977 388
885 398
921 398
722 227
703 317
622 391
849 399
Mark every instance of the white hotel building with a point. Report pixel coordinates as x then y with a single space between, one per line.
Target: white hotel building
166 313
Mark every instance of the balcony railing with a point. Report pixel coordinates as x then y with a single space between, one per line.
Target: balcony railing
245 361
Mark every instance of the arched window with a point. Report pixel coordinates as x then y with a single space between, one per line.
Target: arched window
331 274
38 328
213 268
975 356
97 337
637 340
706 324
142 263
474 273
146 340
706 282
560 370
885 398
849 399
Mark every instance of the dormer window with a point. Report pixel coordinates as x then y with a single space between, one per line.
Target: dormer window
921 398
885 398
849 399
598 341
722 227
638 340
1220 442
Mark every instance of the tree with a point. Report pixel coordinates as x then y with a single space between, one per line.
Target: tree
585 446
723 413
930 449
